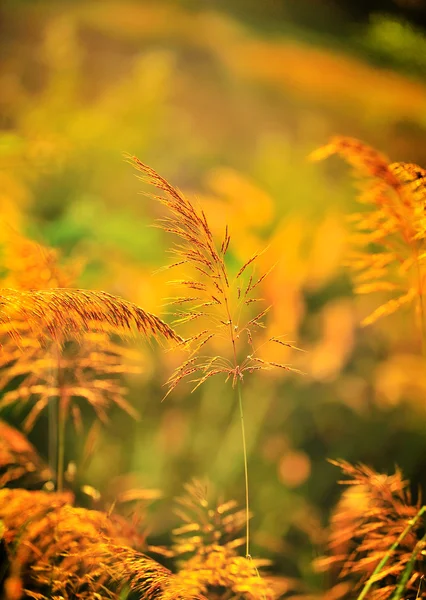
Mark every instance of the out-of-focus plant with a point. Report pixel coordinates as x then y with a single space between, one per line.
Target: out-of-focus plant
397 41
377 536
390 233
88 547
205 546
58 550
377 533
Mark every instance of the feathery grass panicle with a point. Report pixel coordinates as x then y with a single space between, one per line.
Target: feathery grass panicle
375 529
126 570
37 291
87 370
366 160
220 574
389 236
222 302
377 539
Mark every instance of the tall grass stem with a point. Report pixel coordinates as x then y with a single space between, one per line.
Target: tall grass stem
246 478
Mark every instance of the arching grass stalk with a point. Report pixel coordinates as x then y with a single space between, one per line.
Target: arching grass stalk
246 477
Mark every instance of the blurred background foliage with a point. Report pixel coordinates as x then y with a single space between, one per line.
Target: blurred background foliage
226 100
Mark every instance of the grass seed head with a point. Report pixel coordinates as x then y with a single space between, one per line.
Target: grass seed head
223 301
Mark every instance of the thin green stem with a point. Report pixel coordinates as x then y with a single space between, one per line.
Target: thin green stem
243 432
372 579
408 570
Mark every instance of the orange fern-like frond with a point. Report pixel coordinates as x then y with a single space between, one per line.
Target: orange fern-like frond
389 235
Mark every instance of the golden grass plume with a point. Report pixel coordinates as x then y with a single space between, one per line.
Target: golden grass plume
376 533
56 550
88 369
66 312
36 291
390 232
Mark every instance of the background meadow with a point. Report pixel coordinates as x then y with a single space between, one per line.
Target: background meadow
226 100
